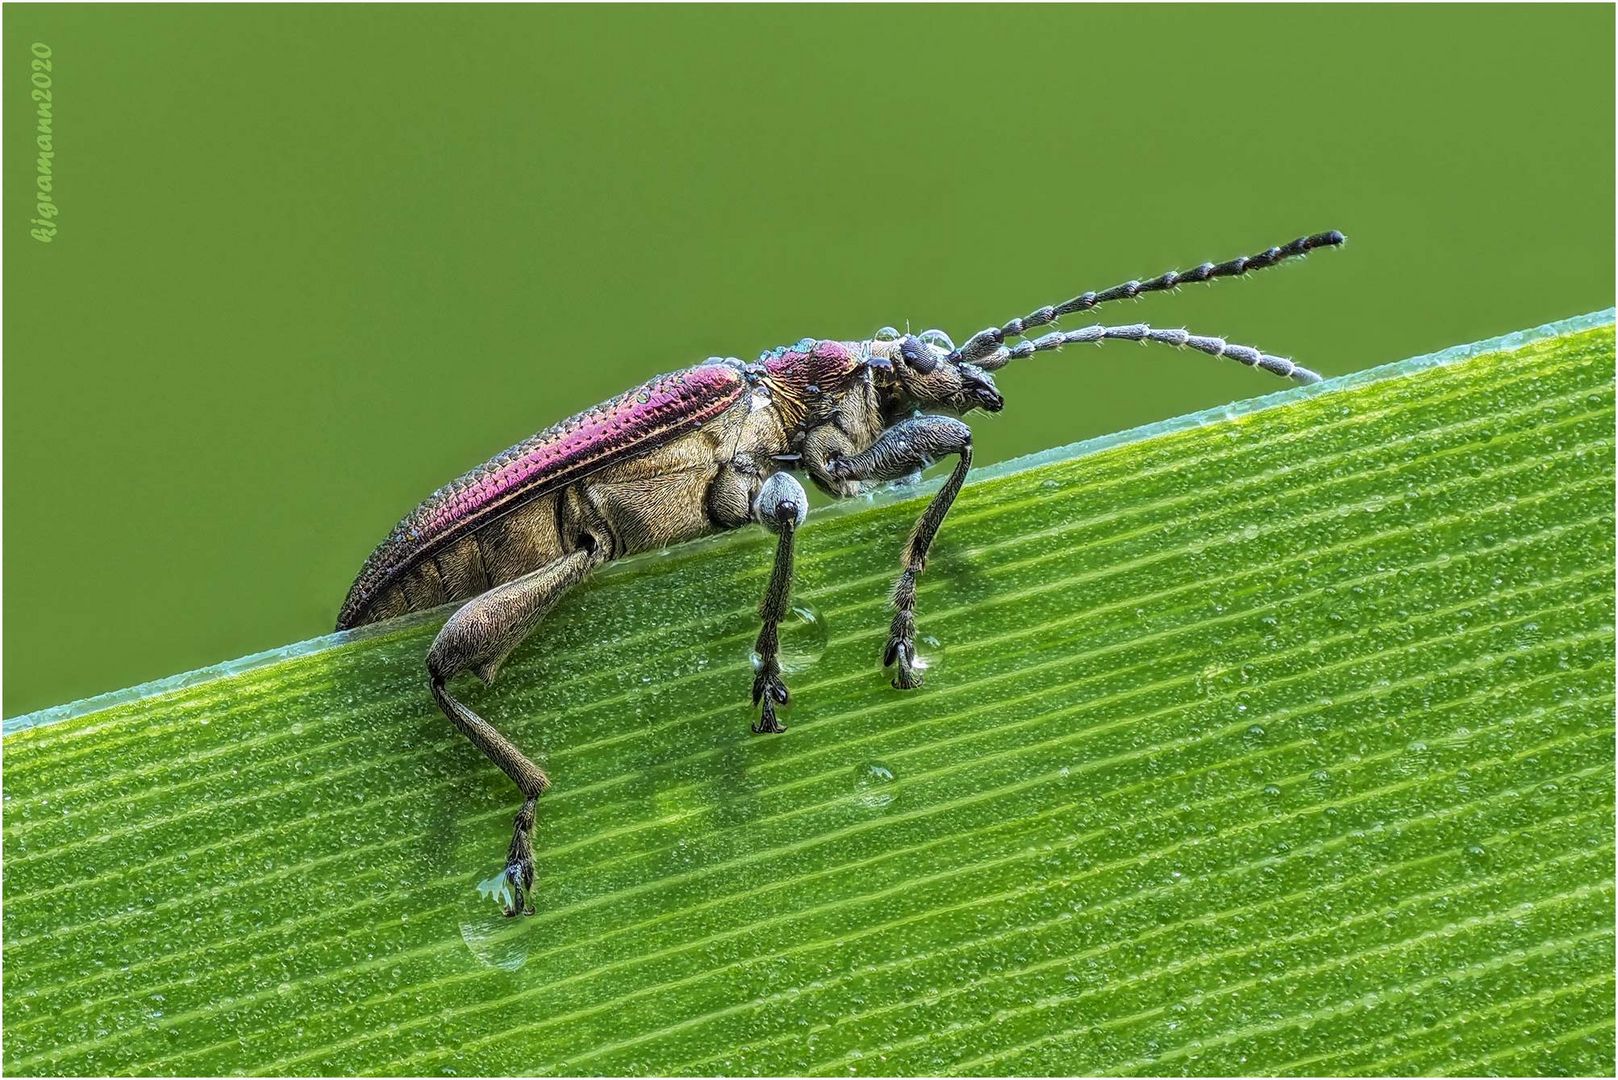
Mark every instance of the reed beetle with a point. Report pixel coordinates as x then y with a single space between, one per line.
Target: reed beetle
710 448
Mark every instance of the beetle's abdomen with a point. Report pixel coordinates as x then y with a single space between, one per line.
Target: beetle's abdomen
626 426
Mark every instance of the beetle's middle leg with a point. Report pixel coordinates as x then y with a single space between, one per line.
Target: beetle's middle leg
478 638
781 508
905 448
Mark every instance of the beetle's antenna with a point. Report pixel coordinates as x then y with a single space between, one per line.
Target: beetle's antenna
986 342
1242 354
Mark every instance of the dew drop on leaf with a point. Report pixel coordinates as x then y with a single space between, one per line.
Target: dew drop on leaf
929 652
493 939
803 637
873 785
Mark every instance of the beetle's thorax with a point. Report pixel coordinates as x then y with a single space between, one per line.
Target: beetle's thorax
805 381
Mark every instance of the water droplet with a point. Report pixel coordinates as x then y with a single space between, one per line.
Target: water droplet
1250 532
873 785
1272 791
494 939
887 333
297 729
284 989
803 637
929 652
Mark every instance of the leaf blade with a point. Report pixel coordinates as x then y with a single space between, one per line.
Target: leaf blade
1344 599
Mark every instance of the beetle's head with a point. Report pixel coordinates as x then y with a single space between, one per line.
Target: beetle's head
917 370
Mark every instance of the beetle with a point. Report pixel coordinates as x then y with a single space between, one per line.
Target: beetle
710 448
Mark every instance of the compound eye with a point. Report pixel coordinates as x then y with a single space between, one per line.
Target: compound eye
918 356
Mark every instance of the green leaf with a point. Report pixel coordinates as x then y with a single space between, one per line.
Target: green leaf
1277 739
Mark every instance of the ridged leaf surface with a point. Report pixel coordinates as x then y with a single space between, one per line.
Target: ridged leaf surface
1275 742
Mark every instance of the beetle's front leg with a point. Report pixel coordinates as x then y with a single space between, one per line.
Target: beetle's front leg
781 508
905 448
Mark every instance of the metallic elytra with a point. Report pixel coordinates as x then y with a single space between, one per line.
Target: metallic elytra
711 448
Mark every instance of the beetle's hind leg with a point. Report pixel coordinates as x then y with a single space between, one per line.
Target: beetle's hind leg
478 638
906 447
781 508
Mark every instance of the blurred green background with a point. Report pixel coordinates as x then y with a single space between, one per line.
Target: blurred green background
314 261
